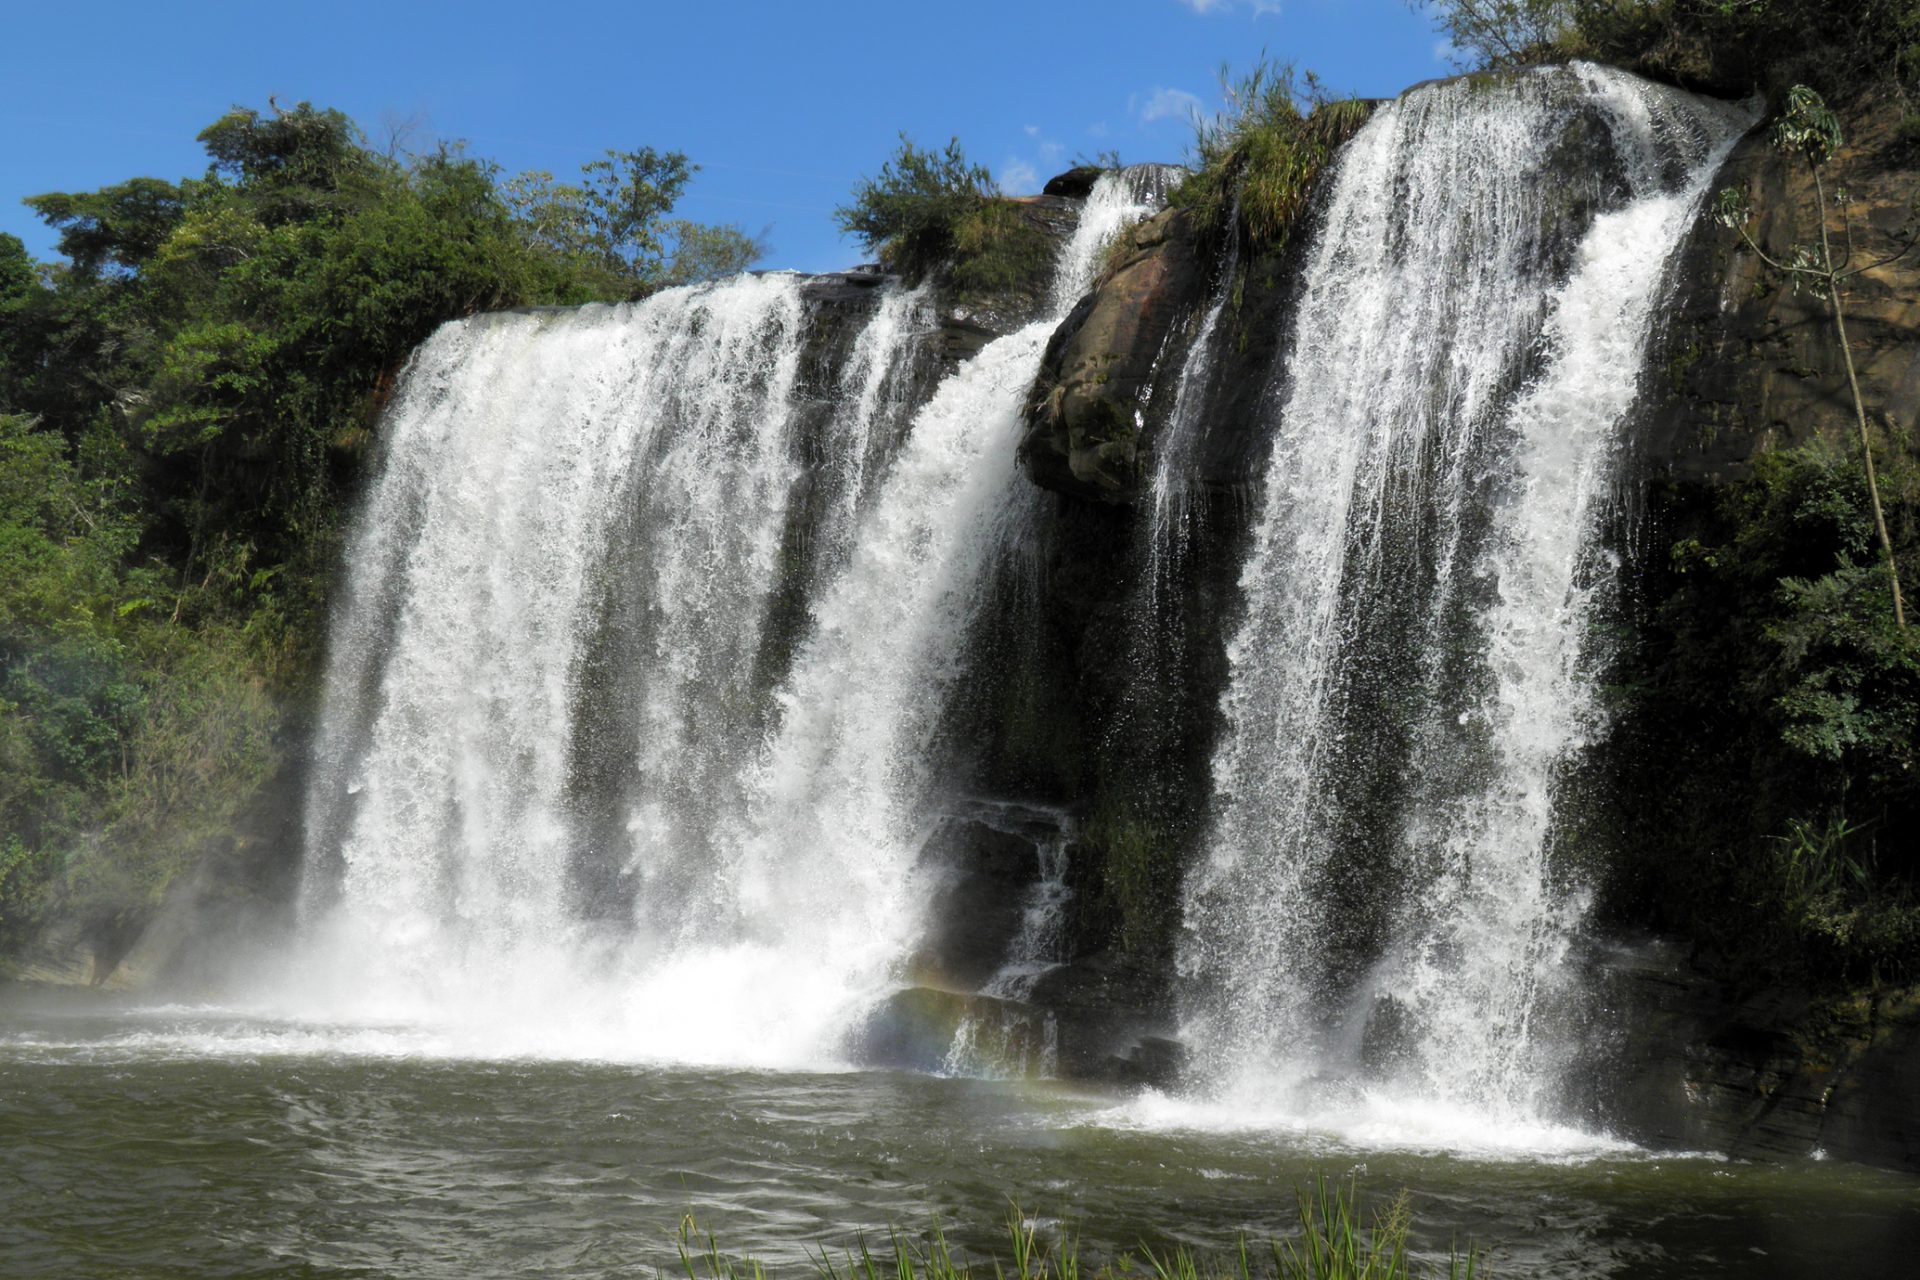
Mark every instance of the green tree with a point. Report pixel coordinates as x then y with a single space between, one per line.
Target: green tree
705 251
296 163
908 212
1499 32
613 223
114 229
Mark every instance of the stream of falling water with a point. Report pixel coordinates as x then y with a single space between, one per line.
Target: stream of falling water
1379 919
560 806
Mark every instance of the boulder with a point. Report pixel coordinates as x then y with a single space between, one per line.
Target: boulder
1076 183
1086 413
1765 1072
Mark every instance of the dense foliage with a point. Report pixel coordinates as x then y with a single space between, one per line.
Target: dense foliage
1732 47
1771 727
182 401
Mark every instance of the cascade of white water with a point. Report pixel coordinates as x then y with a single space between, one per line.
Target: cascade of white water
873 395
560 803
1120 197
440 796
544 475
1169 522
818 875
1157 639
1413 669
824 868
1474 972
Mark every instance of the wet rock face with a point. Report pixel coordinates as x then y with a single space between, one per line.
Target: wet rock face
1745 363
980 876
1087 411
1766 1073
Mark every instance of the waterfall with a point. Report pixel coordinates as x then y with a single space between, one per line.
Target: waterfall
519 448
1379 899
547 680
632 697
1120 197
838 818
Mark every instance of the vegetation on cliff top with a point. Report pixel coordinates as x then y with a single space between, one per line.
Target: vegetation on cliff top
1256 163
183 402
1729 47
929 212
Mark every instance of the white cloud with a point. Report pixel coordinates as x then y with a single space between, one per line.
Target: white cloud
1164 104
1033 131
1018 178
1204 6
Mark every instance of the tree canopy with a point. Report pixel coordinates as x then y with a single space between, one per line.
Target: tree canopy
183 400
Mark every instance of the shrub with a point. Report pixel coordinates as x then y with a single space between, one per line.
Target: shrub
1257 163
910 213
996 250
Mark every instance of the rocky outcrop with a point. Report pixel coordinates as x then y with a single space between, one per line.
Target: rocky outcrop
1087 413
1708 1056
1768 1072
1076 183
1746 362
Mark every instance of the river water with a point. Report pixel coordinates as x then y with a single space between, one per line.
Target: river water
178 1141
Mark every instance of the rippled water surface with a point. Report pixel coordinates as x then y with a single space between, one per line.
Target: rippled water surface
183 1142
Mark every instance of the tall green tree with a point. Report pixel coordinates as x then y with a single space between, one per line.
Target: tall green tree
613 223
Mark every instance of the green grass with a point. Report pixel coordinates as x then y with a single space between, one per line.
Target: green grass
1259 161
1334 1240
996 250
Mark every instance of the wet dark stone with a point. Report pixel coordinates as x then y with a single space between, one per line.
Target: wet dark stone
1076 182
982 875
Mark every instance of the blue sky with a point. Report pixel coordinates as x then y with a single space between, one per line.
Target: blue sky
784 105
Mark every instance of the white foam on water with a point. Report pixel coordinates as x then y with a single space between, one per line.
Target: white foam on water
1367 1121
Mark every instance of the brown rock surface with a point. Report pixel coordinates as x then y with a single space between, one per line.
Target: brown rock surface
1086 410
1746 363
